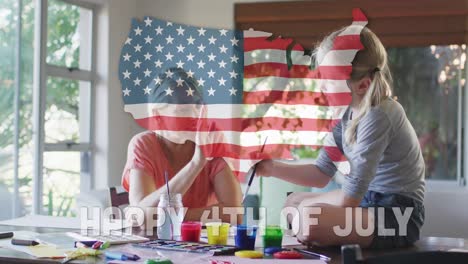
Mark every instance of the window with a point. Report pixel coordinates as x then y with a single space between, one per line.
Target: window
428 83
46 86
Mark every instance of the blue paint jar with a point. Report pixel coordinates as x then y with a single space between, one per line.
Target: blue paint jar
245 237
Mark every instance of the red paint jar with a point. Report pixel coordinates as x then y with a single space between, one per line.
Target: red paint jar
190 231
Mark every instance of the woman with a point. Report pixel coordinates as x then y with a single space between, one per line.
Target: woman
387 168
203 183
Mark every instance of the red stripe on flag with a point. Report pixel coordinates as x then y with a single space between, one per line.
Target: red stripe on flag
258 43
334 72
297 71
238 124
348 42
279 151
358 15
240 175
297 97
334 153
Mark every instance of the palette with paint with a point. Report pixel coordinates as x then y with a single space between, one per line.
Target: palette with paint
216 250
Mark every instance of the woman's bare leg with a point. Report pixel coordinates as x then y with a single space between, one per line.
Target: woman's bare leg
335 225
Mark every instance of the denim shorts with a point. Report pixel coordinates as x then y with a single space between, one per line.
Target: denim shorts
387 201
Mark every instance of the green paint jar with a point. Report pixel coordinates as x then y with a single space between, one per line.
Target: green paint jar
273 236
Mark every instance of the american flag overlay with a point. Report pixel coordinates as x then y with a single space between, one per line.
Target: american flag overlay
229 90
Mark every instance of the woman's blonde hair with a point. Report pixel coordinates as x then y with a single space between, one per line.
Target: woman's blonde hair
368 62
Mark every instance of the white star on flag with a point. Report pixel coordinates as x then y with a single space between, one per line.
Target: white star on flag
234 59
223 32
201 48
169 56
180 48
159 30
201 32
212 40
148 22
211 57
136 82
127 57
138 31
190 57
180 31
148 39
223 49
211 91
158 64
201 64
222 82
137 64
169 91
211 73
126 92
158 80
169 39
126 74
159 48
190 40
190 74
148 56
137 48
234 41
169 74
190 91
232 91
233 74
201 82
180 64
180 82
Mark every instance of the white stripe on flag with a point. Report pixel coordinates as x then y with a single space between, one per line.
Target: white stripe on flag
273 83
338 58
242 165
354 29
343 166
275 56
256 34
250 139
229 111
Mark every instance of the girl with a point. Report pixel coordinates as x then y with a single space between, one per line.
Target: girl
203 183
387 168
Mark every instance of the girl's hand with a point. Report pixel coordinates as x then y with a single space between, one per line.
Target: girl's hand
206 136
198 157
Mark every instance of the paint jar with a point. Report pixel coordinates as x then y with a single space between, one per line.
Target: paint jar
170 216
273 236
245 237
190 231
218 233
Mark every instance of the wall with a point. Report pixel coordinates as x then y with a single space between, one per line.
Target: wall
113 127
446 211
207 13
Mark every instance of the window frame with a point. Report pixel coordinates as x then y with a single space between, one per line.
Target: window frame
42 71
